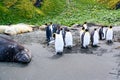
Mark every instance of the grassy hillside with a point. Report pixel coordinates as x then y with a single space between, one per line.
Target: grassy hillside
16 11
66 12
80 11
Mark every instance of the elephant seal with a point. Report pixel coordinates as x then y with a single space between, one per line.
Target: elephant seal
11 51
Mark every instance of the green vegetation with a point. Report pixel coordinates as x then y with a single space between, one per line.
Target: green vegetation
65 12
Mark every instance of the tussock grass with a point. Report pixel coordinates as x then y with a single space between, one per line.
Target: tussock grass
65 12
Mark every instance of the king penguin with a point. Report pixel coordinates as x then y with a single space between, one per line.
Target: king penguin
68 39
104 33
85 39
95 38
85 25
81 32
109 34
101 34
59 44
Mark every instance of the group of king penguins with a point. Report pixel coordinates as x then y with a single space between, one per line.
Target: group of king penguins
62 36
93 37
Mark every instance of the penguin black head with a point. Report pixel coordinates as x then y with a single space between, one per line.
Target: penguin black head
50 22
95 29
83 28
85 22
86 30
67 30
61 28
46 24
110 27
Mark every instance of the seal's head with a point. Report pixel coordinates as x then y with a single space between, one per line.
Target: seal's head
24 56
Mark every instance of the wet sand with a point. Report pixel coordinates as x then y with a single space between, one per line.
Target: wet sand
93 64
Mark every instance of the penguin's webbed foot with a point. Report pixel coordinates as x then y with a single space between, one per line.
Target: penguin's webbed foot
95 46
84 47
60 53
69 47
109 42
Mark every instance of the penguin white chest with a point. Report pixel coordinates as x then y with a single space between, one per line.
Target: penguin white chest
109 34
59 44
68 39
86 39
95 38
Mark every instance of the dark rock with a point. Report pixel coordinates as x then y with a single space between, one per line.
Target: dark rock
118 5
38 3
